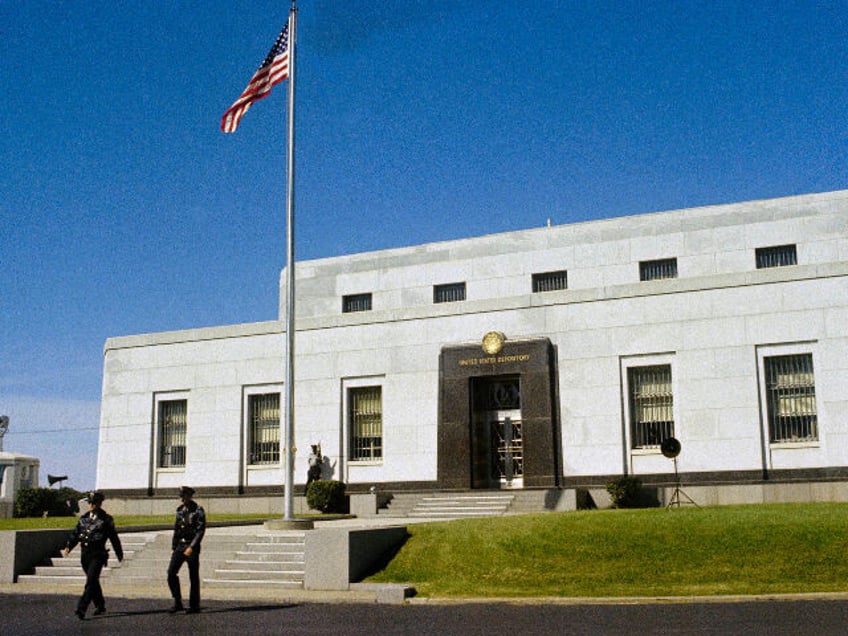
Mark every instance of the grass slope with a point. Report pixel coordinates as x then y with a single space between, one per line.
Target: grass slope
655 552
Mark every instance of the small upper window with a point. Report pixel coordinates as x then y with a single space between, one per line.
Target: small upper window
450 293
356 302
655 270
777 256
550 281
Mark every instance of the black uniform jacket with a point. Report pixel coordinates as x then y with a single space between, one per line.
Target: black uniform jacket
93 530
189 527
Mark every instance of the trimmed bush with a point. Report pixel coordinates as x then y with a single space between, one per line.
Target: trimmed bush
327 495
35 502
625 492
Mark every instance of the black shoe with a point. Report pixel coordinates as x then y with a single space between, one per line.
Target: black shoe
193 610
176 608
99 611
80 614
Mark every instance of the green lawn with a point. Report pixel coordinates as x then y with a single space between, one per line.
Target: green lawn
654 552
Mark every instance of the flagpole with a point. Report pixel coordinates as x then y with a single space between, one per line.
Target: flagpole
290 448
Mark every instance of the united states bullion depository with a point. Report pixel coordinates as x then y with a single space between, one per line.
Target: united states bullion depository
545 360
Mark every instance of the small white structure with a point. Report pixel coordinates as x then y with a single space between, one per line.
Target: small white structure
16 472
546 358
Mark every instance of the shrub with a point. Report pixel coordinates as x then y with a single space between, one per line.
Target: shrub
327 495
34 502
625 492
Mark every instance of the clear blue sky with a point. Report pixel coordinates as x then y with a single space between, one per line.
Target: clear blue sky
125 210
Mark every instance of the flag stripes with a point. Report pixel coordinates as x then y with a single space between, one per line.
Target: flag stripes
273 70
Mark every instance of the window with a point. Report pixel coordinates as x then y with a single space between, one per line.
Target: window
651 405
173 416
356 302
263 441
778 256
550 281
656 270
365 415
791 398
449 293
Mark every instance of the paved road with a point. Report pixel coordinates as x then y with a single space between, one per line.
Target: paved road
45 614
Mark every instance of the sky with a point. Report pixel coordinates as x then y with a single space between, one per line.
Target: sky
125 210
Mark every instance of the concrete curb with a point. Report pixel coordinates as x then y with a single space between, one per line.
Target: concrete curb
397 593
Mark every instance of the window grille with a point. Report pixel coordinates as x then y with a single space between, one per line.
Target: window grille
356 302
778 256
366 423
550 281
651 405
791 398
450 293
659 269
263 412
173 416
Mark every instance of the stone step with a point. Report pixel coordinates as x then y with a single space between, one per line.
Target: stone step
274 566
270 557
252 583
70 581
444 514
252 574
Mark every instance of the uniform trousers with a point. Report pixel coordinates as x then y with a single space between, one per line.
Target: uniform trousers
193 563
92 562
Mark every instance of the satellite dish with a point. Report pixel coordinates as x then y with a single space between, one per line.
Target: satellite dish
52 479
670 447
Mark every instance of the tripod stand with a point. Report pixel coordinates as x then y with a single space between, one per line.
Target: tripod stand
677 493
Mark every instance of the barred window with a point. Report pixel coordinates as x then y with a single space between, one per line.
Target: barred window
173 417
651 405
550 281
366 423
777 256
356 302
450 293
659 269
791 398
263 441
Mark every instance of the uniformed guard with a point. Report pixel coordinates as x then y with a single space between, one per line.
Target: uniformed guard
189 527
92 531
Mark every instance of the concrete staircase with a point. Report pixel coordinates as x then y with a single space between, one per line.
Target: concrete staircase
246 558
447 505
61 570
267 559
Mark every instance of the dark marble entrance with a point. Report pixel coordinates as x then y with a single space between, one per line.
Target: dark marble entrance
461 462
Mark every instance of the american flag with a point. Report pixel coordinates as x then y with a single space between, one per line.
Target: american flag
273 70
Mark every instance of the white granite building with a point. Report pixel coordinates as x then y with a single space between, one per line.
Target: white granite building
724 327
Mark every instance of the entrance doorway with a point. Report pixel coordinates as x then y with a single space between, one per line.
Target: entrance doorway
479 392
497 439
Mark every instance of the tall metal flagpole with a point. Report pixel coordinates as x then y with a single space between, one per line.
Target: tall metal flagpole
289 378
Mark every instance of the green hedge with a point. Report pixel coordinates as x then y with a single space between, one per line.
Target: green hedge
34 502
327 496
625 492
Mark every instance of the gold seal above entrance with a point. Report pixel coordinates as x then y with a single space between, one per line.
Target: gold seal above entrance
493 342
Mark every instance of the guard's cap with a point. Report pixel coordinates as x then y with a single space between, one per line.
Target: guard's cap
95 497
186 491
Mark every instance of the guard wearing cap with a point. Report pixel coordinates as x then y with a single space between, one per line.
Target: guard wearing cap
93 529
189 527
